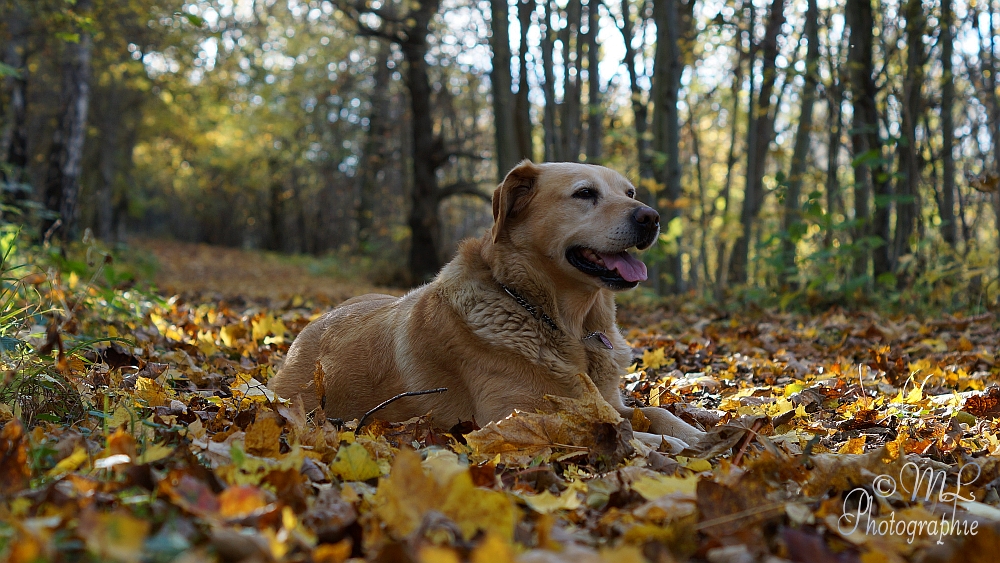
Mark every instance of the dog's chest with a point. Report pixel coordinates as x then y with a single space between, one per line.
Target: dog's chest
505 326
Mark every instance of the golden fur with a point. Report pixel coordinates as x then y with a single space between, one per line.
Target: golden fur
464 332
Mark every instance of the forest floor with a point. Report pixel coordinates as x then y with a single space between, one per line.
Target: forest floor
137 428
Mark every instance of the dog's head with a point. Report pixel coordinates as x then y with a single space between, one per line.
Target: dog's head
578 220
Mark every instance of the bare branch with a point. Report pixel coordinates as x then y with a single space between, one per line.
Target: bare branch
462 188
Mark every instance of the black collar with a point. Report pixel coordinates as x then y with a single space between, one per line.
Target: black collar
535 312
538 314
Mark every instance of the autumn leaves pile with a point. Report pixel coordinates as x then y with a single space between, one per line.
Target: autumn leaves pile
182 454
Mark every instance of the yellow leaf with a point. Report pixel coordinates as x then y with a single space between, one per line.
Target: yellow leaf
407 494
116 536
230 334
240 501
266 326
546 502
437 554
853 446
156 452
70 463
151 392
263 438
493 550
475 509
793 388
354 464
332 552
655 487
654 359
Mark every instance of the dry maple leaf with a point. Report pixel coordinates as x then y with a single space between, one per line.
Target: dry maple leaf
575 424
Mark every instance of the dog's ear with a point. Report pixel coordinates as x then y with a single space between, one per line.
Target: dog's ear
512 196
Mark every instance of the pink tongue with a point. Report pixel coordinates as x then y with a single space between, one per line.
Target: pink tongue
629 268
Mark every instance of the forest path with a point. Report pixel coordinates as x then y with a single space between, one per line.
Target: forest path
184 268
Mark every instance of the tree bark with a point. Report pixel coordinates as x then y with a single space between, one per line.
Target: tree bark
376 144
759 135
640 109
425 226
947 209
552 141
570 109
507 151
907 186
669 65
793 216
62 183
110 107
870 174
595 111
721 256
14 150
522 106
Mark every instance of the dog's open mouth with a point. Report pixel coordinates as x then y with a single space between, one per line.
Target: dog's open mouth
618 270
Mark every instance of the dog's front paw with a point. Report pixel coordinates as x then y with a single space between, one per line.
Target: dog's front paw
662 442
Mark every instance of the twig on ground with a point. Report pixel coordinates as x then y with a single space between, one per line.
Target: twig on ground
387 402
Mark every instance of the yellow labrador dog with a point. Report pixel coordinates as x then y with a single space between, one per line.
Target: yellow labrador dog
516 315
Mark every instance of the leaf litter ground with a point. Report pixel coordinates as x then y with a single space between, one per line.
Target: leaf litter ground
179 452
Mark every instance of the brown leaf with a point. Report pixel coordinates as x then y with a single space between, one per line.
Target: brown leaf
14 468
985 405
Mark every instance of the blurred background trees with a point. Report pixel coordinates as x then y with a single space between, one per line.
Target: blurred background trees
794 148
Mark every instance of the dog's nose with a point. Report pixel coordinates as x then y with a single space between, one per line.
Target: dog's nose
646 216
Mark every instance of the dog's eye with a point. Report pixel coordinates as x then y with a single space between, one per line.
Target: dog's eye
585 193
630 193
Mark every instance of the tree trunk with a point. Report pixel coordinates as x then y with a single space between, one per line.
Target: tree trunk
424 223
14 149
792 219
759 135
668 66
376 144
569 114
870 173
640 109
907 190
549 87
947 209
110 105
721 256
595 111
507 150
522 106
835 101
62 182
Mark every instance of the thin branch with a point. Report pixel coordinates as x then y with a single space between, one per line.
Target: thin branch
462 188
387 402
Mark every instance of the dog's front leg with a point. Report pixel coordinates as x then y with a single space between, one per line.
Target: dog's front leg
664 426
663 421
